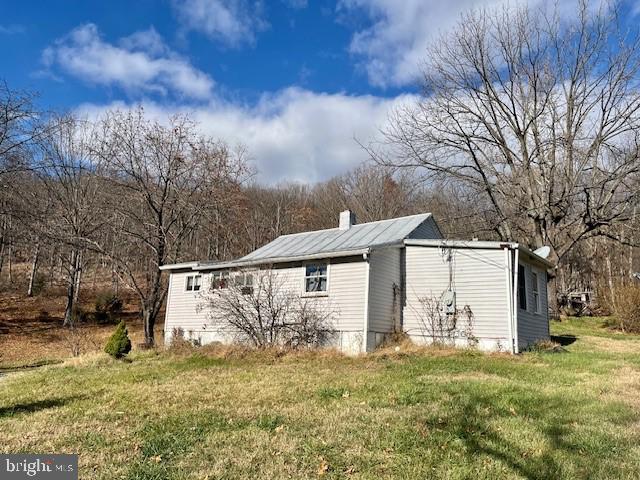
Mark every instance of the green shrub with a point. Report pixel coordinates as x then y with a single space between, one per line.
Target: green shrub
107 307
119 344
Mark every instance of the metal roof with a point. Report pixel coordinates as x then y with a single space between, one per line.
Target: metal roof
333 240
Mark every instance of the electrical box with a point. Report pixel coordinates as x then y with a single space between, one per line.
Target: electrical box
449 302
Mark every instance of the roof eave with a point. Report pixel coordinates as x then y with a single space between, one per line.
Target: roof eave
479 244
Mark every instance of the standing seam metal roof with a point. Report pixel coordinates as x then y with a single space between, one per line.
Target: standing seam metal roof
362 235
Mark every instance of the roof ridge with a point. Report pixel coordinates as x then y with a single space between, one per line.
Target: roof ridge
426 215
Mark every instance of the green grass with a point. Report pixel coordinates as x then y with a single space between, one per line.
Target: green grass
433 414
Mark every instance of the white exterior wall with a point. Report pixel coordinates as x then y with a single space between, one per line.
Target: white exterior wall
533 326
384 273
479 279
345 300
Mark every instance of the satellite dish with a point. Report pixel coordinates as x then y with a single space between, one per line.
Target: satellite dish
543 252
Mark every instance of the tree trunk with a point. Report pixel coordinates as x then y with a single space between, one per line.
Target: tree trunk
71 287
34 269
78 277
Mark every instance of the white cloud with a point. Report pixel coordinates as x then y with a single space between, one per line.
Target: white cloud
233 22
140 63
292 135
393 46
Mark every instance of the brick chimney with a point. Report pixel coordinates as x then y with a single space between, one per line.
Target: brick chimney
347 220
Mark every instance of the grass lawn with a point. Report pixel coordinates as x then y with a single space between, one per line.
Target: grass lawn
434 414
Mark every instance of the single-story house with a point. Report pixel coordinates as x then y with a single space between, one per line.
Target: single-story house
384 277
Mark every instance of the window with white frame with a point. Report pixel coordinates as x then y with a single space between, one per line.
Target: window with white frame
220 279
244 281
536 292
193 283
315 277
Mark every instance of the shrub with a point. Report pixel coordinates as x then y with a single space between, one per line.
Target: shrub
107 307
78 314
546 346
626 305
270 315
119 344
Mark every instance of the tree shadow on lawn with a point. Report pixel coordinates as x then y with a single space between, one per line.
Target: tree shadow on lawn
554 418
36 406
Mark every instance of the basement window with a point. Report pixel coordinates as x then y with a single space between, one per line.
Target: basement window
536 292
522 288
315 278
193 283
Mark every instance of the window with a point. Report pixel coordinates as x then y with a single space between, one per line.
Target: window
315 278
522 288
193 283
220 279
536 293
244 280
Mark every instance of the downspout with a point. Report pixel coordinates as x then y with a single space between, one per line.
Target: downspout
516 262
509 266
166 311
365 330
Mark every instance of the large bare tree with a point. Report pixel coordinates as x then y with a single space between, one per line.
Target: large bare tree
64 205
164 177
536 114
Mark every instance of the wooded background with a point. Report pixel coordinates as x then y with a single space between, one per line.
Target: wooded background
527 129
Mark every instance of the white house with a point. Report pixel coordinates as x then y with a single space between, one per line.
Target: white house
380 277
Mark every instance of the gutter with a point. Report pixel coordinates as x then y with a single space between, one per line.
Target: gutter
200 266
478 244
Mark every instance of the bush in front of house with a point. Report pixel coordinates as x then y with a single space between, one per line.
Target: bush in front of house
626 308
119 343
107 307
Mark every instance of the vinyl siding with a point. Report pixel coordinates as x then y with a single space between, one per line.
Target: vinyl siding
479 278
533 326
345 299
384 273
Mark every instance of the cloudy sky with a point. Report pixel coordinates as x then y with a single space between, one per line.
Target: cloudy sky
296 81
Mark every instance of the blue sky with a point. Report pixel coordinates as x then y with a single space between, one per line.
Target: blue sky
295 81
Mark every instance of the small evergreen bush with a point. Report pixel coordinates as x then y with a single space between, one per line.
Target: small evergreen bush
119 344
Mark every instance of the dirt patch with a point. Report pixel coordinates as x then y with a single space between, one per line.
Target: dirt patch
31 329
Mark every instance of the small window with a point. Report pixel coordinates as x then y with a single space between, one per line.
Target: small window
244 281
193 283
315 278
536 292
522 288
220 279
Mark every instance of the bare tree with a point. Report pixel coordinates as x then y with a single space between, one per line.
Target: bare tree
265 313
163 180
64 205
538 116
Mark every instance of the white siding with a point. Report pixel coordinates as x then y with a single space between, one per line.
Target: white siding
384 274
479 279
533 326
345 300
